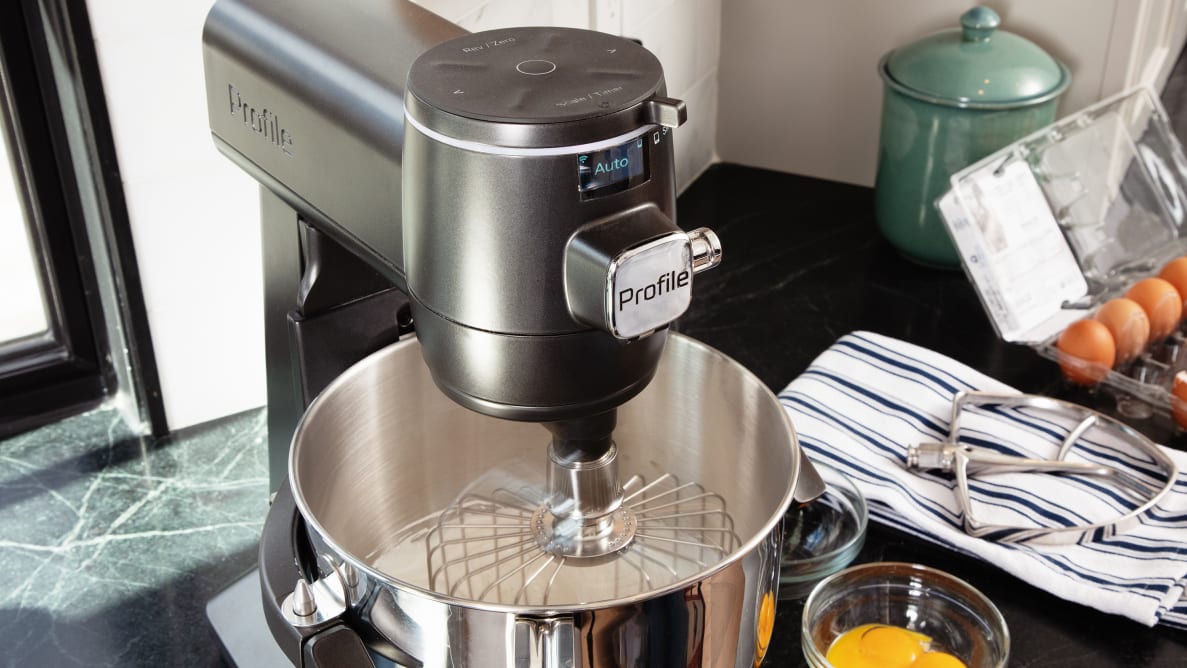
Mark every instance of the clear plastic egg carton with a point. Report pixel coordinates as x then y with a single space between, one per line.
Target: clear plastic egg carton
1058 223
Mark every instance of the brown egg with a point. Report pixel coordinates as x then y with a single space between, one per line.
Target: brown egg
1179 399
1128 324
1175 273
1162 304
1086 352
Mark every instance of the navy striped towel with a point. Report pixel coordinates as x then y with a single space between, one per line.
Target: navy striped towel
868 397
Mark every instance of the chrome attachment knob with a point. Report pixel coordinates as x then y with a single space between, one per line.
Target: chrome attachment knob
705 248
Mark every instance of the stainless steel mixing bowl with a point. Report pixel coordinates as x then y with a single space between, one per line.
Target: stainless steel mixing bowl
382 452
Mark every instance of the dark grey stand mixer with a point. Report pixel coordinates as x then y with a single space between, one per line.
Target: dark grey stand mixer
510 196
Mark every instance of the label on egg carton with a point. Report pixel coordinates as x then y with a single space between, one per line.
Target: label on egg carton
1014 251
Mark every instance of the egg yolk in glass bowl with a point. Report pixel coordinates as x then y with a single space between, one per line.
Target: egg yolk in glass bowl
884 646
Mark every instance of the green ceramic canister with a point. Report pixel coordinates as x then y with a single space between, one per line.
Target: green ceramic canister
949 100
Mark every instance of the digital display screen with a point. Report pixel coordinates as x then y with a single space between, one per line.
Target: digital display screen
612 170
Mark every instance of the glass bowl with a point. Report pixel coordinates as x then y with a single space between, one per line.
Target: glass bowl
956 617
823 536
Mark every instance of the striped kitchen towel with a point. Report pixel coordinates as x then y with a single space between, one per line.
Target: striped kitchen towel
867 398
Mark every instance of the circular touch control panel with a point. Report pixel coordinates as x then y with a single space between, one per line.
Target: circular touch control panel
535 75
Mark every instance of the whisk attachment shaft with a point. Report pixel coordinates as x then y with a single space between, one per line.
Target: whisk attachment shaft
584 515
584 439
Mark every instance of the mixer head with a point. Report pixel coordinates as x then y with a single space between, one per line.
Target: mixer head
539 197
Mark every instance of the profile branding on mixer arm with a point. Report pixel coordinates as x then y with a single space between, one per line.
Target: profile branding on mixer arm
261 121
664 284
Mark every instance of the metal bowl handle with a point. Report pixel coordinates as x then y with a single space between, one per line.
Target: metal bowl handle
545 642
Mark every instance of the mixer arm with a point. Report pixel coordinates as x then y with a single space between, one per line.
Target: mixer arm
307 96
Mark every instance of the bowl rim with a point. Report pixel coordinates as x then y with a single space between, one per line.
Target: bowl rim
815 658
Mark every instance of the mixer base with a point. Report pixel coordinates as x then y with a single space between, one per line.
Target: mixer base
237 616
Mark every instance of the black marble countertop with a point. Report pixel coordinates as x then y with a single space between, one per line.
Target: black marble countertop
803 265
111 544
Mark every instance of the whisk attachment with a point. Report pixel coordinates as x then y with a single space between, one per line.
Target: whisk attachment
488 547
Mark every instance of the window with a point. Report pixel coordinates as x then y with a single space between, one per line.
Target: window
72 325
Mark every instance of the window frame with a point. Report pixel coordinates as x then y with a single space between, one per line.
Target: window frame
69 368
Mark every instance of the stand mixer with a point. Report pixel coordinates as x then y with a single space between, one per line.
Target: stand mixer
510 196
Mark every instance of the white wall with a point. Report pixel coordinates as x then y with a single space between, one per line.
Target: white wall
799 84
21 299
194 216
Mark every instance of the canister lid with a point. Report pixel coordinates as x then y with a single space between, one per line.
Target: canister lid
976 65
